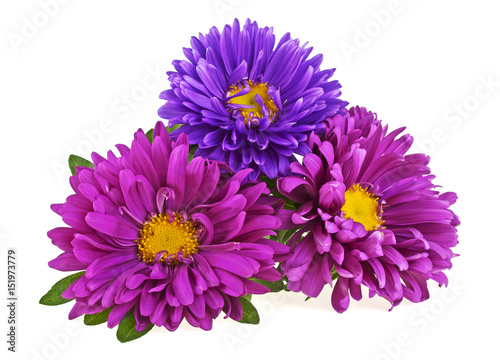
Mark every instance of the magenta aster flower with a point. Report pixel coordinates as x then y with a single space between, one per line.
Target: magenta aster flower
248 101
169 239
371 214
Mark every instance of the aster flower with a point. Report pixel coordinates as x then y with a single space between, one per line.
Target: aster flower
164 238
247 102
370 213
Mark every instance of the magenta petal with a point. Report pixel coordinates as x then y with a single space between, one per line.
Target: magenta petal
226 209
337 252
207 233
198 282
205 270
270 274
56 208
340 295
296 188
260 222
62 237
112 226
231 284
197 307
176 175
331 196
313 281
296 266
255 288
194 177
230 262
85 251
117 313
66 262
77 310
322 238
229 229
314 165
395 257
182 287
135 280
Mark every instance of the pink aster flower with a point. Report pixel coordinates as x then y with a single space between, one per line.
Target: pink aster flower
164 238
371 215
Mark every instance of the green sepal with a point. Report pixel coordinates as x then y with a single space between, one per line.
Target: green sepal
174 127
192 151
307 298
126 329
75 160
250 313
334 274
274 286
149 135
96 319
53 296
285 281
271 183
192 148
282 236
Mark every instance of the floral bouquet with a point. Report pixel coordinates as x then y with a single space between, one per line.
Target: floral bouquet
262 180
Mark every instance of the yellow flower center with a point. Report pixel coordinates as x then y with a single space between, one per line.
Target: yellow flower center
363 207
249 100
167 234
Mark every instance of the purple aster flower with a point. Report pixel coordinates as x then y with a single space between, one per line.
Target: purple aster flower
169 239
247 102
371 214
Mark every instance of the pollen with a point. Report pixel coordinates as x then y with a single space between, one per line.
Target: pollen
167 234
249 100
363 207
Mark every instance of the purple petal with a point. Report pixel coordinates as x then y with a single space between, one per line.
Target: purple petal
112 226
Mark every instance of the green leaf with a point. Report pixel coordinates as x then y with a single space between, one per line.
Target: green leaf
250 314
248 297
274 286
149 135
126 329
334 274
271 183
96 319
192 150
282 236
53 296
285 281
174 127
75 160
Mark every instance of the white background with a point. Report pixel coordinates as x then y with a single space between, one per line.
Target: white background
84 75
